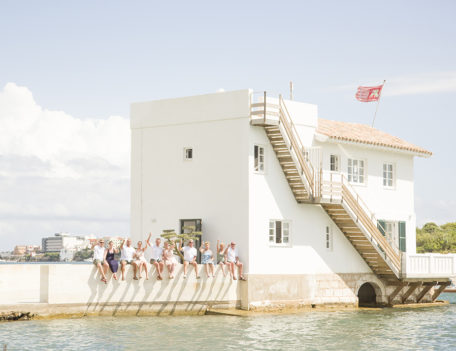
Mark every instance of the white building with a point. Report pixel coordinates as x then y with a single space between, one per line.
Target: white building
67 254
321 211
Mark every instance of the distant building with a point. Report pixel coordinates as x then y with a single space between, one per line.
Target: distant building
67 254
65 241
19 250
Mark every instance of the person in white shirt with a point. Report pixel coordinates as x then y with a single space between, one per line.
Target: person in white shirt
189 257
126 257
98 259
157 256
232 259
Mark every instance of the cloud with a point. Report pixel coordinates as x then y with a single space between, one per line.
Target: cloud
58 172
424 83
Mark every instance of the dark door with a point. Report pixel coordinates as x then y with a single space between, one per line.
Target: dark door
189 226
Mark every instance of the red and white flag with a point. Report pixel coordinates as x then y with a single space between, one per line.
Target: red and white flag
368 94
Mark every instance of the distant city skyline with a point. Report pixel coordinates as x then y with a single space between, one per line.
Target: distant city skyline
69 71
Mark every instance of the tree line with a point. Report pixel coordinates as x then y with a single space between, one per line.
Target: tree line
434 238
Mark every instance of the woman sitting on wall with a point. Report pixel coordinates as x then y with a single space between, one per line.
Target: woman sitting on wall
168 258
141 260
207 258
109 257
221 256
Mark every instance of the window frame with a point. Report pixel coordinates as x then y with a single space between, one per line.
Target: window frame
337 163
393 175
329 238
364 175
260 147
191 149
273 235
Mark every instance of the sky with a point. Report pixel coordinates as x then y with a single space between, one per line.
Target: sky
69 71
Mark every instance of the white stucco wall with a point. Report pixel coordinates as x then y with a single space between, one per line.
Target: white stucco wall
212 187
271 198
22 284
391 204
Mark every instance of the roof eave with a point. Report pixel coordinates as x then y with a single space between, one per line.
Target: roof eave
329 139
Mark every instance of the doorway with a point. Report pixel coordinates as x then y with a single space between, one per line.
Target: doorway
188 226
367 296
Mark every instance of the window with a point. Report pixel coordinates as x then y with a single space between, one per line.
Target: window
188 153
328 238
279 232
258 153
334 163
355 171
394 233
388 175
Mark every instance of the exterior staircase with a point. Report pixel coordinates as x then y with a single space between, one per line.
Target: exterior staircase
335 195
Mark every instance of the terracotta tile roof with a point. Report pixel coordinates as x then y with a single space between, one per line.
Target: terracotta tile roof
362 133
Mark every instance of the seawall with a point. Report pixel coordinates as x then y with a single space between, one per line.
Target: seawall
75 289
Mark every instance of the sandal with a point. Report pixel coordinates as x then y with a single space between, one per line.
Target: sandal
104 280
135 278
242 278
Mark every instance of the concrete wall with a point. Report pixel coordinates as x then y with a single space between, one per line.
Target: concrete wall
212 187
66 289
79 284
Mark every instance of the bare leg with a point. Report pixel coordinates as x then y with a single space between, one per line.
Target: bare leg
157 268
230 269
161 265
105 267
145 269
185 269
122 268
194 264
135 269
100 270
240 268
212 269
206 268
222 267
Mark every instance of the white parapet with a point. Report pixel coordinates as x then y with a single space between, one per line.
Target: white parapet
80 284
428 265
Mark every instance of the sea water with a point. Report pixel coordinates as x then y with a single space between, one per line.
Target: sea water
431 328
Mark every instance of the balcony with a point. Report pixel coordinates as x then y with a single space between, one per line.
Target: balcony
428 266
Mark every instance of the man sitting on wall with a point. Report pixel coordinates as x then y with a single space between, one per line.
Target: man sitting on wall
99 260
157 256
126 257
189 257
232 259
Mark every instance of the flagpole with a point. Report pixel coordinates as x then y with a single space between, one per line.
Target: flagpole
378 103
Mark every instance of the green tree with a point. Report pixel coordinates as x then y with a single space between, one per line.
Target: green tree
83 254
171 236
51 257
437 239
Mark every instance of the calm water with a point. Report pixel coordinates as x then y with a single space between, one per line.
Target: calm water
388 329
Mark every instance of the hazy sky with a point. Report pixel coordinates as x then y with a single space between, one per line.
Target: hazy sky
69 70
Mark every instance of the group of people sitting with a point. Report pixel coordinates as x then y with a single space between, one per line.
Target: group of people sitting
104 258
